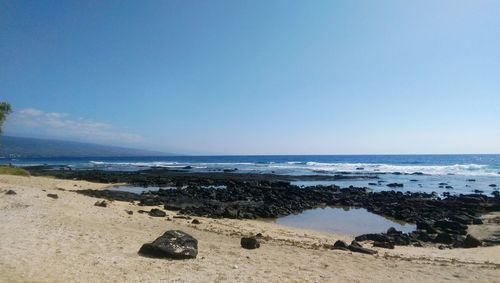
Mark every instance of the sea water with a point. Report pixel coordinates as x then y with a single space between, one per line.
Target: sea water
454 174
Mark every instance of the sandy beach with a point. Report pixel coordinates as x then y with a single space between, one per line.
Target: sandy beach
68 239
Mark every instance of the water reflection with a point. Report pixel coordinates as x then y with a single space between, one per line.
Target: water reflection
343 220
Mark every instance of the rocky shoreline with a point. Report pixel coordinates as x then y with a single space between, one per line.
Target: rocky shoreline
440 221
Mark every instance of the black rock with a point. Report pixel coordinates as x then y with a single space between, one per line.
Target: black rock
385 245
10 192
443 238
373 237
54 196
471 180
471 242
451 225
493 185
340 245
195 221
129 212
249 243
155 212
356 247
101 203
395 185
173 244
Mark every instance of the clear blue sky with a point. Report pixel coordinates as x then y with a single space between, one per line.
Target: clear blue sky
256 77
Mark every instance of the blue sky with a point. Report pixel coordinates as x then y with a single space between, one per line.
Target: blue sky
256 77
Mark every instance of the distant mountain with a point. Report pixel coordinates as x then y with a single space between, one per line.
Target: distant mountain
32 147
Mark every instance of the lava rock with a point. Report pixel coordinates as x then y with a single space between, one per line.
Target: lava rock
471 242
54 196
395 185
340 245
155 212
101 203
173 244
385 245
443 238
249 243
358 248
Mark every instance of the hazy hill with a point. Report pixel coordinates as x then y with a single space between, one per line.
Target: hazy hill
32 147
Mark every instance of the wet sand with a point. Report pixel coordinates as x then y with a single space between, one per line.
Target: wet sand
70 240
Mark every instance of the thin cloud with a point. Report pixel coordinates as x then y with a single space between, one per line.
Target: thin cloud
62 125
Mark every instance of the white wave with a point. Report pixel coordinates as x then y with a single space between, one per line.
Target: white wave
456 169
296 166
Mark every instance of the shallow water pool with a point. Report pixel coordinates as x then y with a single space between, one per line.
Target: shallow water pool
343 220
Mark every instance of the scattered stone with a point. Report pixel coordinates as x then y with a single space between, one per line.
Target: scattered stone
54 196
102 203
195 221
129 212
358 248
181 217
443 238
471 242
10 192
173 244
155 212
385 245
493 185
471 180
249 243
340 245
395 185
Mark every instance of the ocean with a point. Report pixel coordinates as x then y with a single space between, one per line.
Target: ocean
427 173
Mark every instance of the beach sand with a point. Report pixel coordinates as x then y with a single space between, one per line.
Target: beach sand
70 240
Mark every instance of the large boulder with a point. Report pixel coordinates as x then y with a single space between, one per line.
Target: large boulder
174 244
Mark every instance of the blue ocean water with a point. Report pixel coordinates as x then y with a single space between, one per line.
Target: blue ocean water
440 173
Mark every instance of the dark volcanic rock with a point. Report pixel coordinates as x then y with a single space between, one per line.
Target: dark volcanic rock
101 203
10 192
443 238
395 185
471 242
358 248
195 221
340 245
383 245
249 243
174 244
54 196
155 212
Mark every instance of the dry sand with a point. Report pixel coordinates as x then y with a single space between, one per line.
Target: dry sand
70 240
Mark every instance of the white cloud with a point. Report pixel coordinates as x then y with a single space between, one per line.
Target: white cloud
62 125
